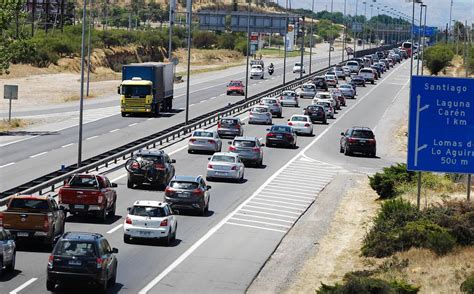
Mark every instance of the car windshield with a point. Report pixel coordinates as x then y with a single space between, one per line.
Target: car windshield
148 211
133 90
314 108
257 67
288 94
203 134
363 134
223 158
324 104
324 96
184 185
244 143
228 122
299 118
366 71
83 181
297 64
282 129
75 248
269 101
33 204
345 86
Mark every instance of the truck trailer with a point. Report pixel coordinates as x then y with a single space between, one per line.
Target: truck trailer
146 88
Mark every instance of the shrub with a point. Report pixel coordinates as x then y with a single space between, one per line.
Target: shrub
241 46
385 183
426 234
468 285
204 39
226 41
437 58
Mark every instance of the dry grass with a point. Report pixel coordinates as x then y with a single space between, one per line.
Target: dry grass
15 123
77 97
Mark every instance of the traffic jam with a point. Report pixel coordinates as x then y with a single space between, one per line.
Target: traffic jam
88 257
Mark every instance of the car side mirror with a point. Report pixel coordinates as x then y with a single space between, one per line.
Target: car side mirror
288 119
208 158
229 142
173 160
262 144
129 208
11 237
208 187
118 90
113 185
114 250
342 134
268 130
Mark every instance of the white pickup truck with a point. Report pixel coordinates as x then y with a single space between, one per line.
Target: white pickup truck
256 71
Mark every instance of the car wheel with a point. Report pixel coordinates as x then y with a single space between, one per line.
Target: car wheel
50 285
174 233
112 211
126 238
103 214
1 265
341 150
347 151
325 121
260 163
168 239
241 180
11 266
102 287
129 184
280 115
372 82
113 279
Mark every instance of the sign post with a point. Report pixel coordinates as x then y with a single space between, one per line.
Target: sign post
441 125
10 92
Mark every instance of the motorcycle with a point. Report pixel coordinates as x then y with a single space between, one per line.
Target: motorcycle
271 70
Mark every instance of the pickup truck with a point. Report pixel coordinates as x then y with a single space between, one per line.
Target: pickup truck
85 194
33 218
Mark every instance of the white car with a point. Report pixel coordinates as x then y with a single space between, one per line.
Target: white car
298 68
353 65
204 140
327 105
326 96
331 80
225 165
367 74
256 71
289 97
260 114
301 124
149 219
347 70
273 105
307 90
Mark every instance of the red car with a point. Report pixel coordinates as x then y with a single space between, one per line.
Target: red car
235 87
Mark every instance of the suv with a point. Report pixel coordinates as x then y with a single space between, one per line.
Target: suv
151 166
316 113
83 258
368 75
249 150
188 192
7 251
230 126
358 139
320 83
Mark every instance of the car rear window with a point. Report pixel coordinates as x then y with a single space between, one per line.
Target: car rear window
308 87
228 122
203 134
260 109
75 248
269 101
233 84
244 143
184 185
148 211
299 118
155 158
33 204
315 108
283 129
366 71
83 181
363 134
324 104
223 158
324 96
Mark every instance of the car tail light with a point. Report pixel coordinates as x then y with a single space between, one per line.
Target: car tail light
164 223
270 135
160 167
99 261
306 125
372 141
198 192
169 191
351 140
209 166
251 113
100 198
128 220
1 219
232 148
50 261
211 141
290 123
256 149
192 140
218 124
46 223
237 126
135 165
234 167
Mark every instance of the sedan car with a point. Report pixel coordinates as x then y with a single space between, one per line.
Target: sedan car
273 105
150 220
316 113
301 124
298 67
230 127
204 140
260 114
358 81
337 94
347 90
8 250
225 165
327 106
249 149
83 258
236 87
358 140
281 135
307 90
188 192
331 80
289 97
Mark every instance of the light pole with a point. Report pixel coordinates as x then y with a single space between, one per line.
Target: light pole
355 21
419 40
81 101
248 52
302 45
189 8
171 17
311 38
370 25
365 24
91 24
285 43
424 43
330 34
450 17
344 35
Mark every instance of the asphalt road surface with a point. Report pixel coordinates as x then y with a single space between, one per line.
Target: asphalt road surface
224 250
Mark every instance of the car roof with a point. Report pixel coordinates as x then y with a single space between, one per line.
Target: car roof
153 203
362 128
81 236
299 115
186 178
150 152
230 117
203 130
261 106
236 81
324 93
226 154
248 138
30 197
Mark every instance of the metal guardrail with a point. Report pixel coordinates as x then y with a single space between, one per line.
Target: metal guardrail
54 180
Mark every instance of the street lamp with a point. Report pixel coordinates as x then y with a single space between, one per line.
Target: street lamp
330 35
365 23
354 33
424 43
81 101
419 40
311 38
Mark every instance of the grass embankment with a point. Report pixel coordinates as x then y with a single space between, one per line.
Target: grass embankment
279 53
15 123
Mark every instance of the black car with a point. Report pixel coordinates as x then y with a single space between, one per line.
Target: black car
320 83
358 140
281 135
81 259
150 166
316 113
358 81
188 192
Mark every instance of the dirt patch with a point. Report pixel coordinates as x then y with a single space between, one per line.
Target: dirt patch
14 124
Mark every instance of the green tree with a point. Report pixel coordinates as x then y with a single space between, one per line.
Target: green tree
8 11
438 57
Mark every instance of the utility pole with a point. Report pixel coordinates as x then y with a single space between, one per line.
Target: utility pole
365 24
450 18
285 43
171 21
354 33
189 8
330 35
344 35
91 25
302 46
419 41
248 52
311 38
424 42
81 101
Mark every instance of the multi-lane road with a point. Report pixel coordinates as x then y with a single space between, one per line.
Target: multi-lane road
223 251
27 157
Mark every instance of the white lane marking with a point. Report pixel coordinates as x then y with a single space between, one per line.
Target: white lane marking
67 145
268 213
247 226
264 194
191 105
39 154
391 103
222 94
285 188
259 222
113 131
202 101
212 98
8 164
264 217
24 285
279 191
288 199
115 229
151 118
225 220
134 124
261 202
18 141
283 202
279 210
91 138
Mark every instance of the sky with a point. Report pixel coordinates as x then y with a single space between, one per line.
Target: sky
438 10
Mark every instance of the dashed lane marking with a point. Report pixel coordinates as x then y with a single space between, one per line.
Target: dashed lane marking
8 164
134 124
39 154
256 227
114 229
113 131
67 145
24 285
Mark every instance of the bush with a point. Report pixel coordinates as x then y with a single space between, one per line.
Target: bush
241 46
426 234
438 57
385 183
204 39
226 41
468 285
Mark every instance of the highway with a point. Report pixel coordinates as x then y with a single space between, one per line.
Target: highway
223 251
27 157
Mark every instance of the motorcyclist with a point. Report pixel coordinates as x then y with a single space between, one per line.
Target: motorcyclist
271 68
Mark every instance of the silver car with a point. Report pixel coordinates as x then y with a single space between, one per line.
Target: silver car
230 126
225 165
249 149
204 140
7 251
289 97
307 90
347 90
273 105
260 114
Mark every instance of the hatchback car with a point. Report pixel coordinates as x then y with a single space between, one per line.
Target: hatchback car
204 140
260 114
301 124
273 105
358 140
353 65
289 97
230 127
358 81
327 96
236 87
188 192
281 135
225 165
298 67
150 166
7 251
307 90
337 94
316 113
320 83
347 90
249 149
82 258
150 220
